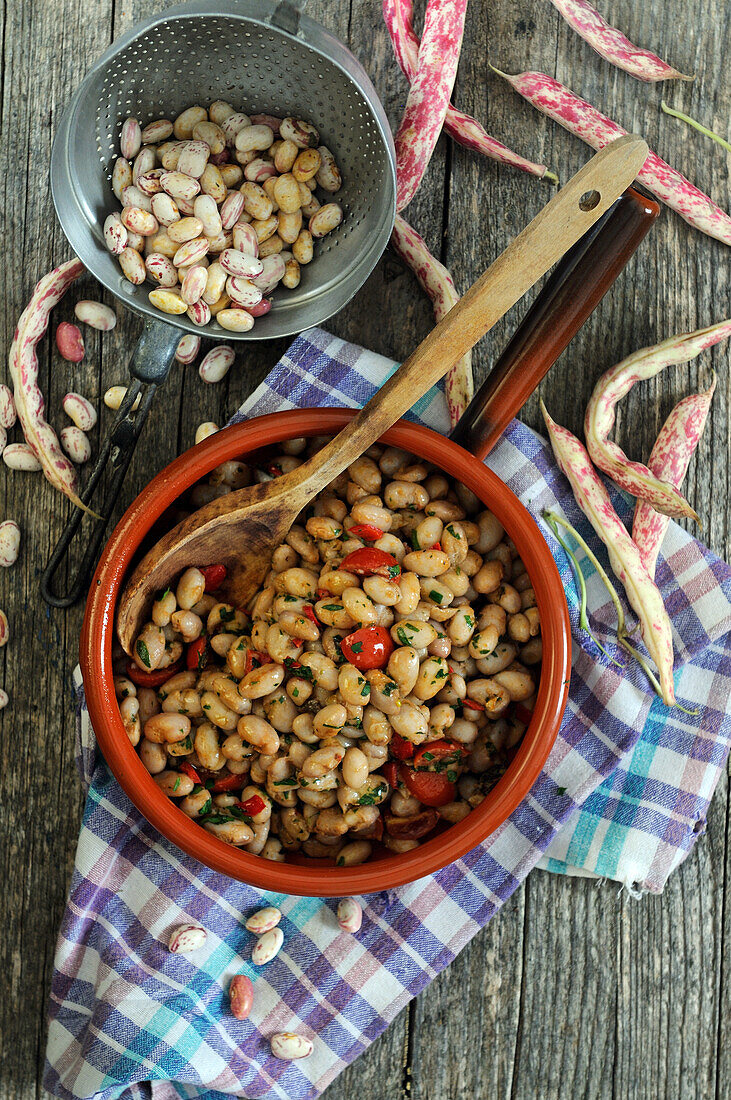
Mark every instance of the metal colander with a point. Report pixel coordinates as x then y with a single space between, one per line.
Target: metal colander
261 57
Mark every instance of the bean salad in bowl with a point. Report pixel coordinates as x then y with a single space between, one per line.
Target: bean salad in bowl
372 693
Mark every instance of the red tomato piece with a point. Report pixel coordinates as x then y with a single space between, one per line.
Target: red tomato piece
389 772
472 705
368 561
367 531
400 747
437 755
215 576
253 805
260 658
152 679
431 788
368 647
189 770
196 655
436 546
229 783
309 611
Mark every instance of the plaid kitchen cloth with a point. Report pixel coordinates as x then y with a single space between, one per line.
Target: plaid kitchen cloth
624 794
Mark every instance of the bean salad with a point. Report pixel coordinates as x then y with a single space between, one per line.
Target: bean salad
375 688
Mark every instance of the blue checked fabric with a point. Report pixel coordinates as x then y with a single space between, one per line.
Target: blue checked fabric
624 795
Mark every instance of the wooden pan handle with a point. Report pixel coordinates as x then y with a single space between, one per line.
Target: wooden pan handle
574 289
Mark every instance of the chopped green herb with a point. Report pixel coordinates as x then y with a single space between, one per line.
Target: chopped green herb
414 540
207 806
437 597
365 690
357 647
143 653
285 783
227 614
177 784
332 607
162 594
452 776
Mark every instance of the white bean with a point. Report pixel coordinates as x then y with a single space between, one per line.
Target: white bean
288 1046
81 411
217 363
19 456
130 139
96 314
115 234
165 209
188 349
264 920
133 266
76 444
350 915
115 395
203 431
235 320
267 946
9 543
8 414
4 697
121 176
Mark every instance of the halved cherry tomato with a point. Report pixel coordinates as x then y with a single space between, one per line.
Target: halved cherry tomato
437 755
368 647
400 747
215 576
229 783
189 770
309 611
253 805
389 772
152 679
368 561
367 531
196 655
260 658
431 788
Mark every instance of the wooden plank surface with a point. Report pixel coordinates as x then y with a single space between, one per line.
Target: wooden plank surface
574 990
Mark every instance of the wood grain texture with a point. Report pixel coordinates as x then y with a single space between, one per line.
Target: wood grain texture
574 991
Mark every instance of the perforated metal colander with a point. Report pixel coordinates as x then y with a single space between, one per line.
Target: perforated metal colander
262 57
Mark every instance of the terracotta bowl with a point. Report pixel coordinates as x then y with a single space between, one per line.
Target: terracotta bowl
310 877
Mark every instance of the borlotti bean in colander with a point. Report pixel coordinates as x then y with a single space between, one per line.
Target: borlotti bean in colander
262 57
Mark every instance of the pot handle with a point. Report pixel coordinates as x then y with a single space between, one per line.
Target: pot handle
150 365
573 290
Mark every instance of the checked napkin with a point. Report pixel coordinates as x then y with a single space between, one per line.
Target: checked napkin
624 794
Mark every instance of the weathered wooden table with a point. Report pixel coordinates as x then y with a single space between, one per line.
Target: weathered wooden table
574 990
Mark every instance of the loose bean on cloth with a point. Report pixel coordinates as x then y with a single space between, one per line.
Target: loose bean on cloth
624 795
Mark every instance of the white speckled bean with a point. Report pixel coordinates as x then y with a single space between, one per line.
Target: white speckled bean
121 176
194 283
161 269
231 209
242 292
193 158
264 920
215 283
217 363
288 1046
96 314
180 186
267 947
235 320
168 301
326 219
199 312
245 239
130 139
133 196
187 119
143 162
7 407
139 221
76 444
4 630
159 130
188 349
133 266
207 214
115 234
81 411
232 124
114 397
350 915
187 938
149 182
19 456
4 699
240 263
165 209
273 269
9 543
205 429
190 252
259 170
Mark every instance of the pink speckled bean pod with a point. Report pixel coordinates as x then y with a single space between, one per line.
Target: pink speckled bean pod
24 372
671 454
429 94
612 45
624 557
462 128
580 118
613 385
438 284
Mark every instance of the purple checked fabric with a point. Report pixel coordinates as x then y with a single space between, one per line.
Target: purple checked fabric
623 795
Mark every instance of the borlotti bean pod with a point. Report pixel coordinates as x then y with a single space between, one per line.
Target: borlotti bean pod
262 57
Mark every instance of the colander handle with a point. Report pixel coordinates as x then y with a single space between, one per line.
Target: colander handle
149 367
286 15
571 293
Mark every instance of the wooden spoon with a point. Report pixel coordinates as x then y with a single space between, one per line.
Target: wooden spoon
242 529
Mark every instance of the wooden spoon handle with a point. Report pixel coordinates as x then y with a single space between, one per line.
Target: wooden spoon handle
560 224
